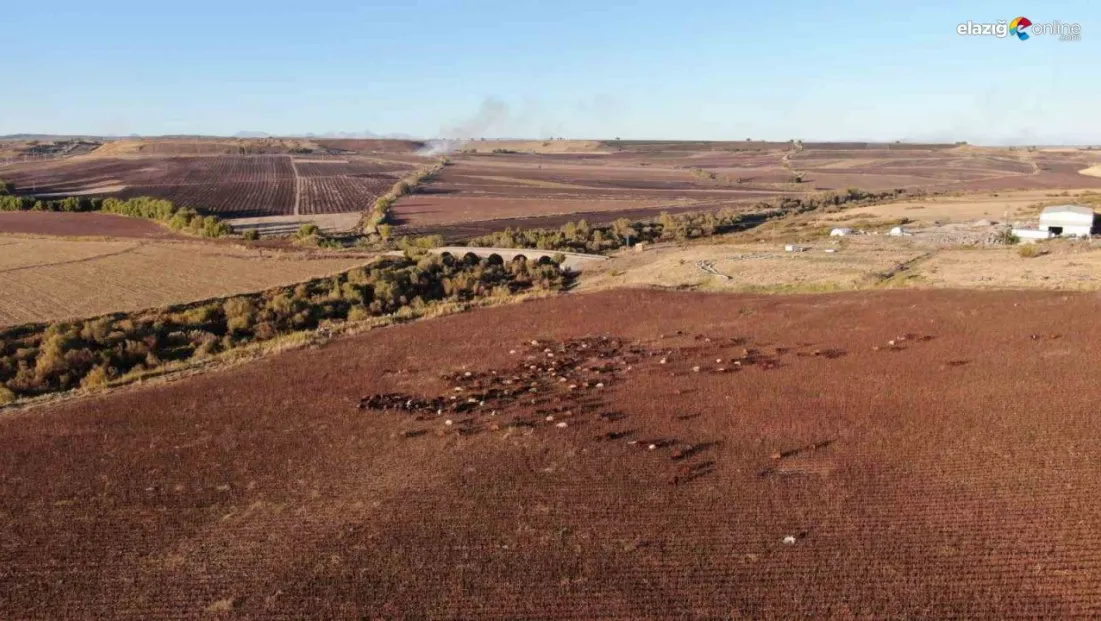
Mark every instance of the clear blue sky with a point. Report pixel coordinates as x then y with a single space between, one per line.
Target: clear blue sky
641 69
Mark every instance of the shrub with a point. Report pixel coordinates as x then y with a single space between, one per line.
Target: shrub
239 314
251 235
1006 236
6 395
358 313
309 230
97 378
1029 251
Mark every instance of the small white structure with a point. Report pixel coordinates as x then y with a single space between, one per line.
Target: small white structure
794 248
898 231
841 232
1068 220
1032 235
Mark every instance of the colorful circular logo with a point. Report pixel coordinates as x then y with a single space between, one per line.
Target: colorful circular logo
1017 27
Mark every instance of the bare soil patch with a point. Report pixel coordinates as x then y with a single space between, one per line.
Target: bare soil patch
82 225
869 456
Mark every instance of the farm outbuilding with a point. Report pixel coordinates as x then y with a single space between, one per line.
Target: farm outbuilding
1068 220
1031 235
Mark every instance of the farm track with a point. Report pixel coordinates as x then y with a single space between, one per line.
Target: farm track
297 187
638 454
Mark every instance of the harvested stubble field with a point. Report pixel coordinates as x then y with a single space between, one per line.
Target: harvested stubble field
47 279
872 455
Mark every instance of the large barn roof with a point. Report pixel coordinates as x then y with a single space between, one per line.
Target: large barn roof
1067 210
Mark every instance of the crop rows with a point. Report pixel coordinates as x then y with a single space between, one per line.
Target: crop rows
342 194
338 168
238 199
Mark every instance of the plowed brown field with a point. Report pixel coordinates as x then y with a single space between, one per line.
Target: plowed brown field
63 224
906 454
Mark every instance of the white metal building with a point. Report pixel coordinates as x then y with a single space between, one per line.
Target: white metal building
1029 236
1068 220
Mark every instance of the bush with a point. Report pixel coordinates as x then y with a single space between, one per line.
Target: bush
6 395
97 378
309 230
358 313
251 235
1006 236
1029 251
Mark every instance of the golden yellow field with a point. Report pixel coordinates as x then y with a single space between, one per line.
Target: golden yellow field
47 279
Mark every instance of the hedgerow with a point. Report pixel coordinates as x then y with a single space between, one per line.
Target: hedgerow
380 214
584 237
38 359
178 218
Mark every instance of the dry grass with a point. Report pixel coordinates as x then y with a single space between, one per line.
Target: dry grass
751 268
1073 266
964 208
862 262
48 279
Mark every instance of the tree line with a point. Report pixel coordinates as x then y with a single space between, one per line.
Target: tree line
378 222
582 236
37 359
182 219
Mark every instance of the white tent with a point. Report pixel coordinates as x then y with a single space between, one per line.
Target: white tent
1068 220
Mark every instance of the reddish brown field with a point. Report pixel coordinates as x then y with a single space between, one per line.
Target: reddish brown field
82 224
908 454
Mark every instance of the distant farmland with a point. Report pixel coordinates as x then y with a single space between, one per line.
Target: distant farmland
491 185
231 186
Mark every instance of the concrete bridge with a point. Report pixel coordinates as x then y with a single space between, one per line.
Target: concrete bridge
575 261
